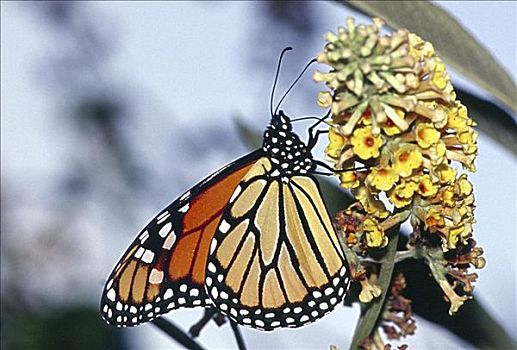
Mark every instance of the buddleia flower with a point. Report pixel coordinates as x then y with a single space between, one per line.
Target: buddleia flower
396 120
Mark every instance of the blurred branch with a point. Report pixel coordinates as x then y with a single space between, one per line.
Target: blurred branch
177 334
238 336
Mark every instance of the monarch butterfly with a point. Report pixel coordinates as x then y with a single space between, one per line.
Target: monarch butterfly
254 240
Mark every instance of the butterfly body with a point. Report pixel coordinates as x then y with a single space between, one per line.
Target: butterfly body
253 240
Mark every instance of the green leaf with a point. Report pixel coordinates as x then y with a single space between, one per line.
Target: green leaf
454 44
250 137
492 120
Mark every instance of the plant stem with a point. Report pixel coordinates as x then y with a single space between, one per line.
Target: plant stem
370 315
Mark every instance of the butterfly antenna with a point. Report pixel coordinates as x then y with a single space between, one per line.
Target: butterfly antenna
288 48
294 83
305 118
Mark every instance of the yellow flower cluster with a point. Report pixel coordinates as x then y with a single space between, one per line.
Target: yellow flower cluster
448 212
396 119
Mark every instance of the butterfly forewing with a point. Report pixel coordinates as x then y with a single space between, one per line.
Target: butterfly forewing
275 260
164 268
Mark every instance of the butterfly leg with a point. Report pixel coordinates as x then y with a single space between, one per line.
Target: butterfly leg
333 171
314 135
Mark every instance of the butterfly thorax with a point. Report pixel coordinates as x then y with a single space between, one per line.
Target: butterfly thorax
288 154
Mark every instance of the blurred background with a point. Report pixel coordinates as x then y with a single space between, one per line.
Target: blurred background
112 109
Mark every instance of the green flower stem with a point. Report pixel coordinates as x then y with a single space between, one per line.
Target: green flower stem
371 312
412 253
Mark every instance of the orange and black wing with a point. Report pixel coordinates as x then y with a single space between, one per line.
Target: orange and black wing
275 260
164 268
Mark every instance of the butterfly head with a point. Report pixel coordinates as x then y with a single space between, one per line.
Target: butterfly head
288 154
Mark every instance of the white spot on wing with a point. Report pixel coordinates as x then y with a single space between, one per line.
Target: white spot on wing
156 276
169 241
164 218
213 245
324 306
139 253
143 234
111 294
184 208
168 293
235 193
148 256
211 267
165 230
185 195
224 226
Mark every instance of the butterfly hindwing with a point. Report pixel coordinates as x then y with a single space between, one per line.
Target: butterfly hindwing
164 267
275 260
254 239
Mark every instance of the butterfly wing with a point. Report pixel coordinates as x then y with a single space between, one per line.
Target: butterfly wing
164 268
275 260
